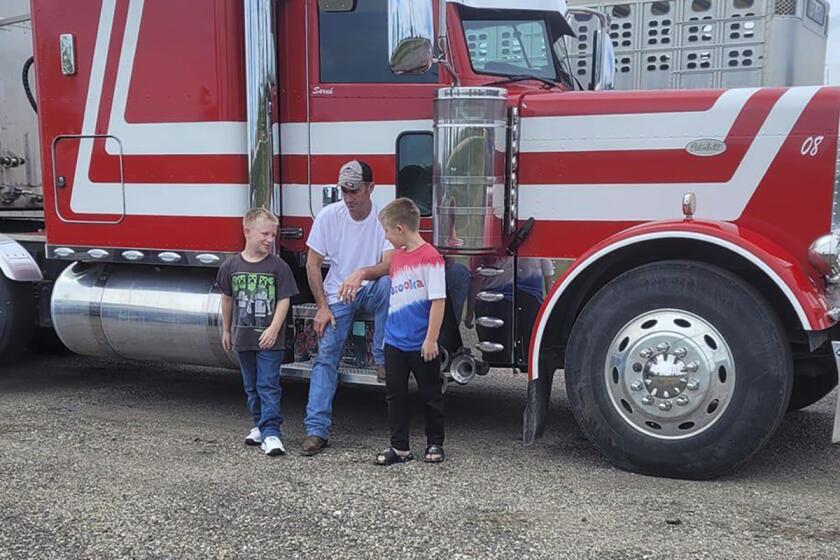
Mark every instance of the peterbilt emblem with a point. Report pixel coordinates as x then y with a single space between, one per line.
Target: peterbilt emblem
706 147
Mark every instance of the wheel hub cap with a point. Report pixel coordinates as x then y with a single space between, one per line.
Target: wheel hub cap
670 374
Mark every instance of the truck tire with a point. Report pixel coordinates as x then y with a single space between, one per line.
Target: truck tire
814 379
678 369
17 317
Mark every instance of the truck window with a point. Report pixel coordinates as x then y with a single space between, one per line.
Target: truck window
510 47
516 47
414 169
354 47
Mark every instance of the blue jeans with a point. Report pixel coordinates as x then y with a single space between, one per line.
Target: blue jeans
373 299
261 378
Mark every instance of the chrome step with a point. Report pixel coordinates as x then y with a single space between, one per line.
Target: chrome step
490 297
347 375
490 322
490 346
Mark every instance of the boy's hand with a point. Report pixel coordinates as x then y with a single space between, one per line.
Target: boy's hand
226 344
268 338
322 317
430 350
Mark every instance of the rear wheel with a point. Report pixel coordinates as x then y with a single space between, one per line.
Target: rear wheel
17 317
678 369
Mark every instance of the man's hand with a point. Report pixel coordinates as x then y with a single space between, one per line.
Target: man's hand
350 286
322 317
226 344
469 317
268 338
430 350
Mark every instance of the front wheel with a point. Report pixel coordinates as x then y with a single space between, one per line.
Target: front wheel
678 369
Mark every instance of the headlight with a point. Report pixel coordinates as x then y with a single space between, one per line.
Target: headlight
823 254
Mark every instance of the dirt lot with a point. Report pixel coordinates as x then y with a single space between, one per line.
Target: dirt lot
105 459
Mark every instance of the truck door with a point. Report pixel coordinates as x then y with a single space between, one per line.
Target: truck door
358 108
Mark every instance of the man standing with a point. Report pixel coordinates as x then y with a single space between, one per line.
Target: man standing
350 235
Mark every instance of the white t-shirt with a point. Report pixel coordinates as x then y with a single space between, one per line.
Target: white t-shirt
350 245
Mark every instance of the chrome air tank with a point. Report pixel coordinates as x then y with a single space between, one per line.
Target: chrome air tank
140 313
469 172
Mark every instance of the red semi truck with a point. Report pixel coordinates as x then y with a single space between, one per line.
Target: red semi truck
698 230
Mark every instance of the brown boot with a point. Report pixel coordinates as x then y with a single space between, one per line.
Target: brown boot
312 445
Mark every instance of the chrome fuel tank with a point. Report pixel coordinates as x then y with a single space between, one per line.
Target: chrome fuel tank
140 313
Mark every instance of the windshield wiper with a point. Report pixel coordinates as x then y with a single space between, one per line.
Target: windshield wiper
524 77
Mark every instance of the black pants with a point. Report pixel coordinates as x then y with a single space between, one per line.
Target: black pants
399 365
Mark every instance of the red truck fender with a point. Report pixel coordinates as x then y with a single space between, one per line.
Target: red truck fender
801 301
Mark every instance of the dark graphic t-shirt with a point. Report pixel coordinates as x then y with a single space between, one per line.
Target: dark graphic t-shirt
255 288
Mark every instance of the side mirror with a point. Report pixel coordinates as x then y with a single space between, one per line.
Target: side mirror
411 36
598 56
603 75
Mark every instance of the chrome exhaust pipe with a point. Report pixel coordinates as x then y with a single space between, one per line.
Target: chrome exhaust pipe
260 72
463 368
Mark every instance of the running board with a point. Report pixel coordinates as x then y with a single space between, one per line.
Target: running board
347 375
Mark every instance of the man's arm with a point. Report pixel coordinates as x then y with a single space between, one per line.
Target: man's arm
227 313
352 283
314 260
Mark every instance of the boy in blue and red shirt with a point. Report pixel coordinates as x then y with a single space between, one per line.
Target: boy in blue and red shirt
415 314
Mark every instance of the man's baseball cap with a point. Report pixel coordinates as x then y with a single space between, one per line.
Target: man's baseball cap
354 174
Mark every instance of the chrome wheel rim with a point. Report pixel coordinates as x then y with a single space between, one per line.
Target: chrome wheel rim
670 374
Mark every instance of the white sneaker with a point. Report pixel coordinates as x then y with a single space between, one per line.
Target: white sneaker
254 437
273 446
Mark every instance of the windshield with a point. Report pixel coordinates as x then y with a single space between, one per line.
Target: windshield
516 47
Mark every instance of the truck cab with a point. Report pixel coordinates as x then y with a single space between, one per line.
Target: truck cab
674 253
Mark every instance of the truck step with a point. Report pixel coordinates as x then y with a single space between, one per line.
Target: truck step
347 375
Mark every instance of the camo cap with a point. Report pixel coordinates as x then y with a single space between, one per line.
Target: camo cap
354 174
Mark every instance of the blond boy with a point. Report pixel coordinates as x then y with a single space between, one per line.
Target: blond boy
415 314
256 286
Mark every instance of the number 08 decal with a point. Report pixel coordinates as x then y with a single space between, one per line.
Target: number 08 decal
811 145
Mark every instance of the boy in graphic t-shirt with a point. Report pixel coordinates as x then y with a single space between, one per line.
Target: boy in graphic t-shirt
260 285
415 314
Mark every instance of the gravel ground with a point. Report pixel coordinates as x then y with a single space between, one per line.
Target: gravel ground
103 459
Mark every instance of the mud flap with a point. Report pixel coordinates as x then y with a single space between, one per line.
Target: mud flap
536 407
835 437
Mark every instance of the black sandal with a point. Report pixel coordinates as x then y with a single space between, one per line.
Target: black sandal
434 454
390 456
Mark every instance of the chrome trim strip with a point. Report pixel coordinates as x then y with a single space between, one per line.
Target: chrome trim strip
137 256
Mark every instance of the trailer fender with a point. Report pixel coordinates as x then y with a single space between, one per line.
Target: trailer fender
16 263
778 265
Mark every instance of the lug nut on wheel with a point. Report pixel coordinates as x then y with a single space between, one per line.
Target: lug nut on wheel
646 353
691 367
665 406
637 386
682 400
680 352
647 401
663 347
692 385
